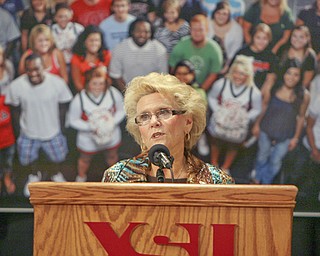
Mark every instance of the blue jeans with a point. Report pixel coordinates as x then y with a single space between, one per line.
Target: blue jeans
269 158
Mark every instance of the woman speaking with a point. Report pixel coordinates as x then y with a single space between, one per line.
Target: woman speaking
168 117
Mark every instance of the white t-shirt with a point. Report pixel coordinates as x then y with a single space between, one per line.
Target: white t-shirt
39 118
233 39
129 60
314 112
110 102
114 31
66 38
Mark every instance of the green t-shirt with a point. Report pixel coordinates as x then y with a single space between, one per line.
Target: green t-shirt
207 59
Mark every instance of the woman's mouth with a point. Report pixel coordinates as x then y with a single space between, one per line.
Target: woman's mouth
157 135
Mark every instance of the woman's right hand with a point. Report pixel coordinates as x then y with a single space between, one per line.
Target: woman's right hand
255 130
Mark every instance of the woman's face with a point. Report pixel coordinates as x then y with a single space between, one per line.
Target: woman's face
42 43
170 132
171 14
260 41
184 75
63 16
38 5
93 43
238 76
221 17
299 39
292 77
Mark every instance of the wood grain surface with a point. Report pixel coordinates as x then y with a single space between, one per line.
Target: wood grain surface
262 215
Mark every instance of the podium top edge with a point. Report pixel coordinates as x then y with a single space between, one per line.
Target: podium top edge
97 193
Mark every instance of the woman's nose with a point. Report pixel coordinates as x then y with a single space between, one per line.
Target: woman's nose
154 120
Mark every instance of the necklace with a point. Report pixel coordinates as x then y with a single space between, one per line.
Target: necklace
181 172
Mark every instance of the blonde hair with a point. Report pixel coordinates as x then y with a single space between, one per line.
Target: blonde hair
184 96
245 64
282 6
262 27
306 32
36 31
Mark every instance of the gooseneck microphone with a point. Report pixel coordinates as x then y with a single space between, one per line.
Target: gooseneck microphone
159 155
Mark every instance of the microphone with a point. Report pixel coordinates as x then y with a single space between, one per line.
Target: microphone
159 155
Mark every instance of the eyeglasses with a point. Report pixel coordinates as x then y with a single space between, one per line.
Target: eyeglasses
162 114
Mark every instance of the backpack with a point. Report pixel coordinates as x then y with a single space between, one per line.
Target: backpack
101 121
231 121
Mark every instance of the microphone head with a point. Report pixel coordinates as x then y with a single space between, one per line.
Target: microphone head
154 153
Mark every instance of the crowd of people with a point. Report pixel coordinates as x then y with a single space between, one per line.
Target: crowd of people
66 66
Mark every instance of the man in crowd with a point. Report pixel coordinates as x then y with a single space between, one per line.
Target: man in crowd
39 102
204 53
116 27
137 55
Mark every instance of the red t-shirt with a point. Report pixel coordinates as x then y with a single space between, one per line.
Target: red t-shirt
90 14
7 137
83 65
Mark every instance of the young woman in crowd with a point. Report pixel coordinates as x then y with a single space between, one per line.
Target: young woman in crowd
279 127
274 13
38 13
235 102
89 51
96 113
41 42
299 48
310 17
226 32
173 27
264 61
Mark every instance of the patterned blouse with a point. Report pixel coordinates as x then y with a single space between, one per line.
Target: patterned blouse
136 169
170 38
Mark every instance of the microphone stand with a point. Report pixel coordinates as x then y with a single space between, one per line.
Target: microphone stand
160 175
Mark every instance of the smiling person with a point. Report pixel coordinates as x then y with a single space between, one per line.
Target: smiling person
299 48
264 61
162 110
89 51
235 102
204 53
39 101
274 13
41 42
96 113
280 126
137 55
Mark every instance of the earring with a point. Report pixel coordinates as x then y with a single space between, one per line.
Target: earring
188 136
143 147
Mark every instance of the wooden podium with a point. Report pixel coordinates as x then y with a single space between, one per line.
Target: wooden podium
74 219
